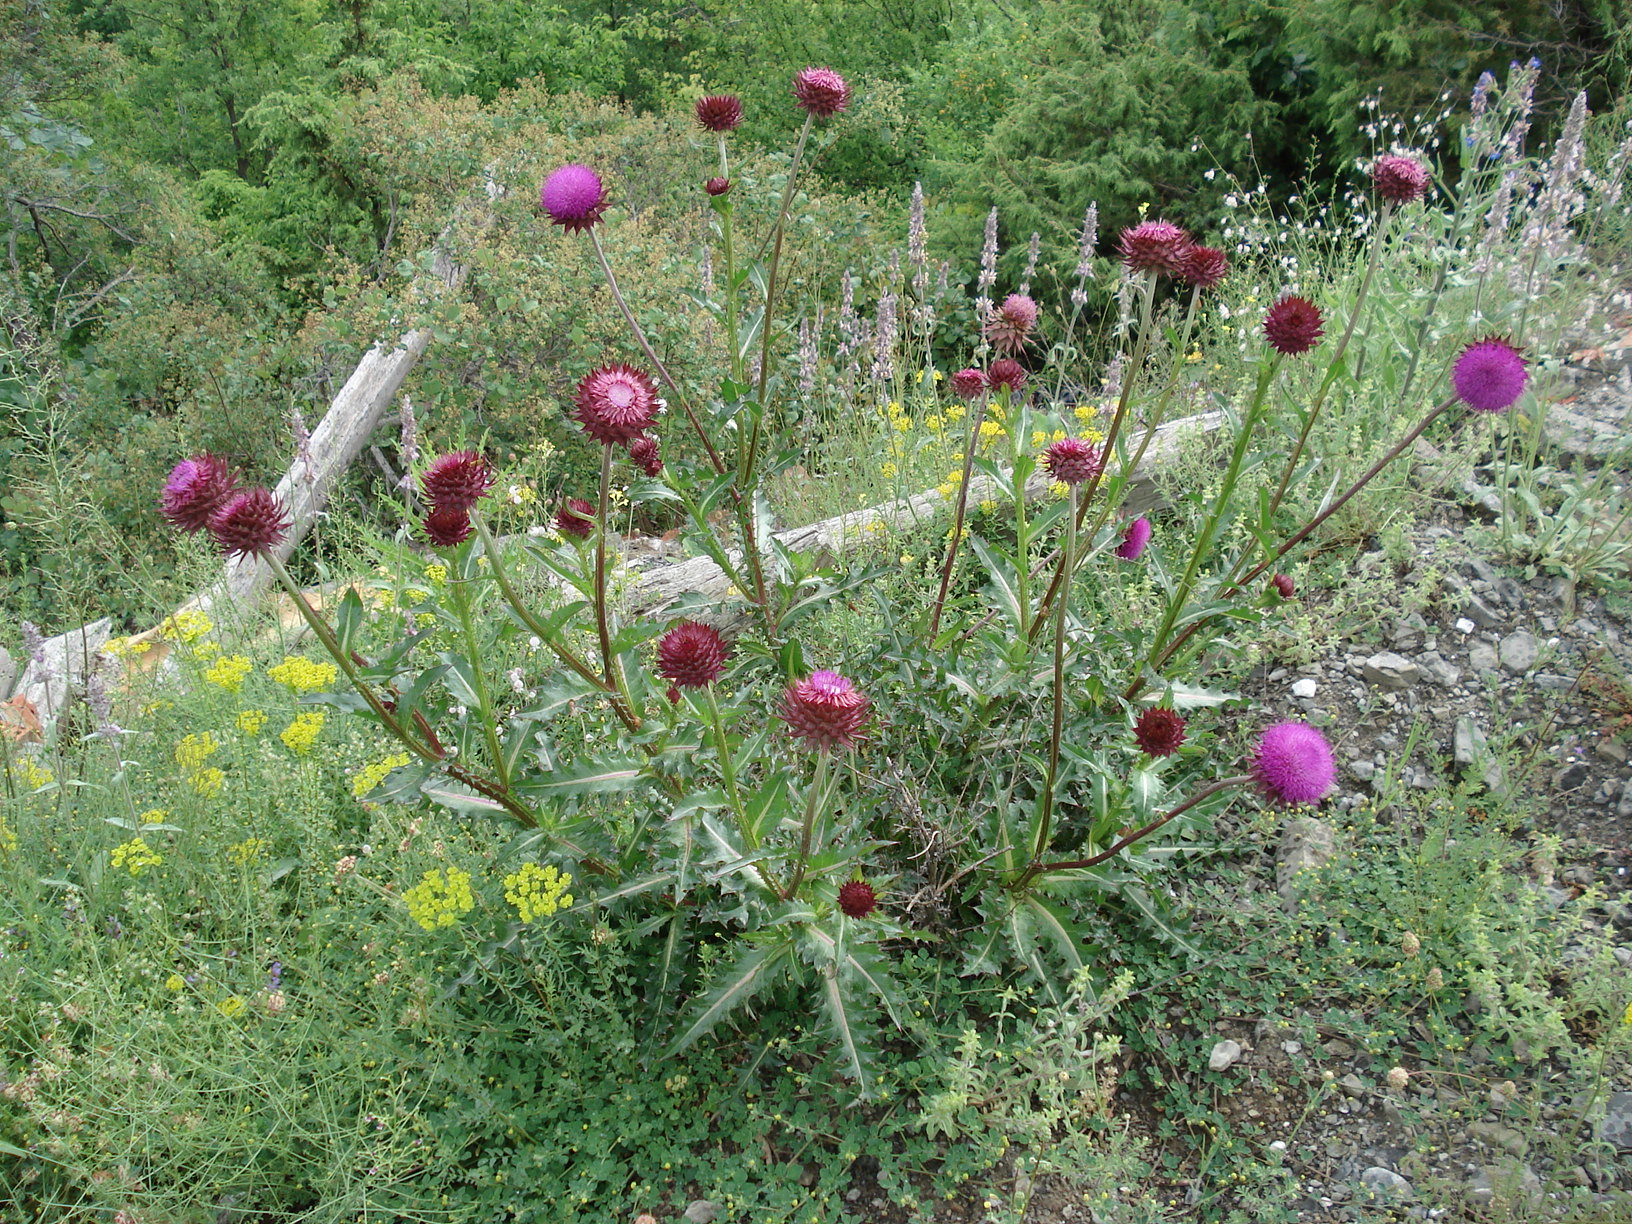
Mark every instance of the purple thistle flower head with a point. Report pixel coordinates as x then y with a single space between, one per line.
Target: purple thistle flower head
645 454
857 898
1134 538
826 711
967 384
821 92
1204 266
576 518
1159 732
1006 372
1072 460
717 186
719 112
691 655
1489 375
1293 325
1011 324
448 526
616 403
1400 180
573 197
1293 763
1155 246
249 523
196 489
457 481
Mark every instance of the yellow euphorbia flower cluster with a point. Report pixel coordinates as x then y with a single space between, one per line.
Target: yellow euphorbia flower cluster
441 898
371 775
135 856
303 675
229 671
538 892
300 735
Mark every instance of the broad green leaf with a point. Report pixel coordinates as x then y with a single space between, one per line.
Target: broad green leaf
752 971
597 777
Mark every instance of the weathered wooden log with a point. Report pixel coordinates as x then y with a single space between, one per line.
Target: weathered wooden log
358 408
657 585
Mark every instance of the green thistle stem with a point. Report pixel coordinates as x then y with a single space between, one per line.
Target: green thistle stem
1212 788
977 417
813 800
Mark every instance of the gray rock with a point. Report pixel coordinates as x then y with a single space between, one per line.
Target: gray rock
1351 1085
1224 1055
1518 652
1386 1184
1512 1182
1482 656
1305 687
1470 750
1481 613
1438 669
8 672
1388 670
1616 1127
1502 1138
1572 777
1306 844
1363 770
1553 683
701 1211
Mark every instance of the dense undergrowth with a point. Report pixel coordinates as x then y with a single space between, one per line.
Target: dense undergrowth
471 896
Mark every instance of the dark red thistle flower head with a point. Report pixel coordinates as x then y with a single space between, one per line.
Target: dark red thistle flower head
196 489
966 384
1072 460
1006 372
1489 375
1010 326
857 898
457 481
447 526
1293 325
1293 763
574 197
1204 266
1283 586
691 655
1155 246
825 711
576 518
719 112
1400 180
717 186
1158 732
249 523
616 403
821 92
643 453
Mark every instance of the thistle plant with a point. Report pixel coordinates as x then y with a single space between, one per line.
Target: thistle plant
696 774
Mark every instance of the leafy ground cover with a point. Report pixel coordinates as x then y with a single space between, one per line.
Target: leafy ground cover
941 883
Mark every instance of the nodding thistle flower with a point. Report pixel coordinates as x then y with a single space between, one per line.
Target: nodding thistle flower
1155 246
457 481
1293 763
857 898
1158 732
616 403
719 112
717 186
196 489
967 384
691 655
825 711
1006 372
821 92
1009 328
1283 586
249 523
1203 266
643 453
1400 180
1072 460
576 518
574 197
447 526
1134 538
1489 375
1293 325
